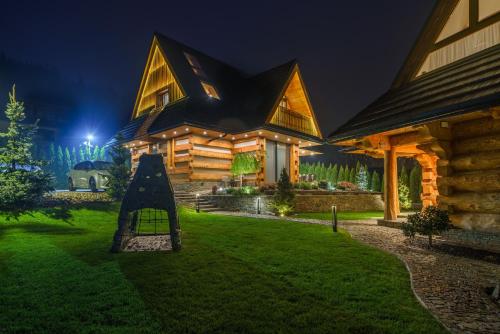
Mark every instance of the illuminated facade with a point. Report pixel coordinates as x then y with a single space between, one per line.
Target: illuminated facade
199 112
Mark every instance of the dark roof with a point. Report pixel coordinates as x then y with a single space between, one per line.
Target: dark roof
246 101
463 86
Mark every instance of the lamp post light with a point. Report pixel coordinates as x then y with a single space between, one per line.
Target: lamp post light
198 203
258 205
334 218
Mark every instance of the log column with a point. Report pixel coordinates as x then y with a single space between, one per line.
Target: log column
391 200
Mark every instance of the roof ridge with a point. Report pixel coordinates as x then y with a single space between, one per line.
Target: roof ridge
190 48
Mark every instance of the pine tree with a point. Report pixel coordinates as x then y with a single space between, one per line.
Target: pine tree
22 179
119 172
369 176
375 182
358 167
382 185
362 178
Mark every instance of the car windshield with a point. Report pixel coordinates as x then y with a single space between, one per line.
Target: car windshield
102 165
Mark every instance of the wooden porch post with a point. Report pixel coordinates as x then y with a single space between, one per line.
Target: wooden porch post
391 200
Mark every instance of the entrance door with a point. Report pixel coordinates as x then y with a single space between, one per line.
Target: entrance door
277 158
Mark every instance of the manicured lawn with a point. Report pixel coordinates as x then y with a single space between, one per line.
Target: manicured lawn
342 215
233 275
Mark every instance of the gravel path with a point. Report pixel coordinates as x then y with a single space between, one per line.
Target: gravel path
453 288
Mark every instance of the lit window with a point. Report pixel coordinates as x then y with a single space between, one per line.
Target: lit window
163 99
284 102
210 90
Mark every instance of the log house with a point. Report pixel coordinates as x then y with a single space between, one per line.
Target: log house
443 109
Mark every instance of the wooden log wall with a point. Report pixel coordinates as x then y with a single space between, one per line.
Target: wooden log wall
469 188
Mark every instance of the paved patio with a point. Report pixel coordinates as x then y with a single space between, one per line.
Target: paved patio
453 288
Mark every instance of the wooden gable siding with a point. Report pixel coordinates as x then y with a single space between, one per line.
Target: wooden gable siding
157 77
297 114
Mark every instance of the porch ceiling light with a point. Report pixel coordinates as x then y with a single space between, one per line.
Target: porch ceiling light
187 129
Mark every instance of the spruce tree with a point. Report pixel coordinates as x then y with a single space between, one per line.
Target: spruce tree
22 178
362 178
382 184
369 177
119 172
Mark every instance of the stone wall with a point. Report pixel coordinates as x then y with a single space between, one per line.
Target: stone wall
194 186
345 201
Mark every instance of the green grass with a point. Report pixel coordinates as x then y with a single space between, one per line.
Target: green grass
342 215
233 275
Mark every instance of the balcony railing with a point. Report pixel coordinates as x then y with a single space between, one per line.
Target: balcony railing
293 120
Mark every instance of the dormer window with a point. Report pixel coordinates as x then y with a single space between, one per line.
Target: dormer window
162 99
195 65
210 90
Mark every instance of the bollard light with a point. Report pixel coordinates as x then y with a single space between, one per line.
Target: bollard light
198 203
258 205
334 218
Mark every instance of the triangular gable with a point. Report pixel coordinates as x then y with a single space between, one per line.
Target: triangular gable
293 109
157 77
456 29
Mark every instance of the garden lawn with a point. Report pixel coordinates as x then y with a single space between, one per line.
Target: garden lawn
342 215
233 275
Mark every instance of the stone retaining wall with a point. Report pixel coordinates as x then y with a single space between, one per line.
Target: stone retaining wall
345 201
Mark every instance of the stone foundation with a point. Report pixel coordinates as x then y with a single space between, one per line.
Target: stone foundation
194 186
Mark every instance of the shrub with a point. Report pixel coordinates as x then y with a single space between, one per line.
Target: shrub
344 185
323 185
283 197
429 222
243 191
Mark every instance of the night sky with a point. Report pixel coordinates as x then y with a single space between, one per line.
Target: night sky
349 51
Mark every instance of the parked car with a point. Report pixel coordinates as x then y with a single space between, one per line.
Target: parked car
91 175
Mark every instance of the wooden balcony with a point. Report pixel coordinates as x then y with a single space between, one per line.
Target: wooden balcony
293 120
